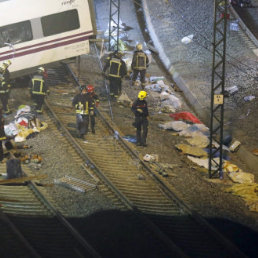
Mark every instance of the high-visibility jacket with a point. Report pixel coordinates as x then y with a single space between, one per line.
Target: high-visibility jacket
6 75
38 85
83 104
4 87
140 60
117 67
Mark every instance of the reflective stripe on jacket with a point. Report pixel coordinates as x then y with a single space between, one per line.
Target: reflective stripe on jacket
83 104
38 85
140 60
4 87
115 66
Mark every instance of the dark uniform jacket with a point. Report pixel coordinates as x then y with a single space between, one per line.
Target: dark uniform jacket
83 104
117 67
140 60
6 75
95 99
38 85
4 87
2 133
142 105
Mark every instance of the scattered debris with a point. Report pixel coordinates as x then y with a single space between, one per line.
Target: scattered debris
186 116
75 184
248 192
168 99
156 78
191 150
200 141
130 138
230 167
174 125
234 146
204 162
124 100
255 152
249 98
230 91
241 177
151 157
34 158
187 39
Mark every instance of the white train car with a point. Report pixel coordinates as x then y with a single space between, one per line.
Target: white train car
39 32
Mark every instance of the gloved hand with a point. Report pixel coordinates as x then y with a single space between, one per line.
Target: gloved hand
139 110
92 113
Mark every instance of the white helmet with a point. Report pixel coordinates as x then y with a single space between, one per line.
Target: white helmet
41 69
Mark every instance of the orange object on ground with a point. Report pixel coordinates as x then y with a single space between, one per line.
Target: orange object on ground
186 116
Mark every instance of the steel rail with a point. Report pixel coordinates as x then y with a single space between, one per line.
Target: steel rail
120 195
162 186
83 245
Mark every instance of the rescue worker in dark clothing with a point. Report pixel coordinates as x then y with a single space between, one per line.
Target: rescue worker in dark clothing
2 135
140 62
6 72
84 105
95 102
39 89
140 110
4 94
117 70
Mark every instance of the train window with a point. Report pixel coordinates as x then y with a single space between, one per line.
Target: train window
15 33
60 22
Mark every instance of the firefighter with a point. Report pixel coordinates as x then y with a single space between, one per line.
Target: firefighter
2 135
6 73
117 70
4 94
84 106
95 102
140 110
39 89
140 62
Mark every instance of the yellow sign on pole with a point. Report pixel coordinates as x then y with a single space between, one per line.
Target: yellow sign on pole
218 99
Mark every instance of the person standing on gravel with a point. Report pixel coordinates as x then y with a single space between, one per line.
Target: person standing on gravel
39 89
84 106
140 62
140 110
95 101
117 70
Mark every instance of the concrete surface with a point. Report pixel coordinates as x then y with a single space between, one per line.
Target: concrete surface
191 71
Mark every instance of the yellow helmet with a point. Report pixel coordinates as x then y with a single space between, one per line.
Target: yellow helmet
139 46
7 63
142 95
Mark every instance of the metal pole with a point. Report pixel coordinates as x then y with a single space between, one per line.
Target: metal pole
217 88
114 16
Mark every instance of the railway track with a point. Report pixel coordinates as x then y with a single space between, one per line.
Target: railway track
116 165
35 227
